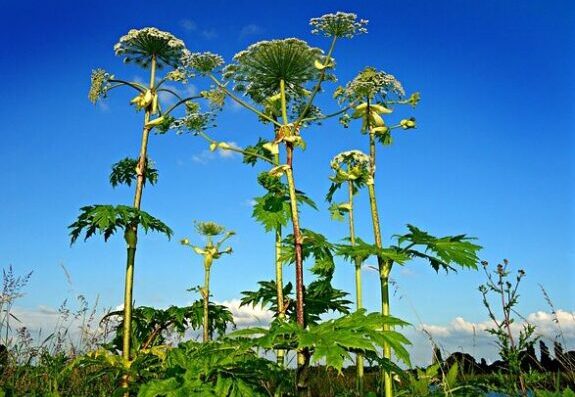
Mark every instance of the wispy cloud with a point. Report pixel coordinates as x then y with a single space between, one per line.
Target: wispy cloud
250 30
209 34
188 25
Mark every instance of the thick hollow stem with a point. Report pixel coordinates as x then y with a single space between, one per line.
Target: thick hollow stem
141 172
127 329
280 354
383 267
206 296
297 239
358 292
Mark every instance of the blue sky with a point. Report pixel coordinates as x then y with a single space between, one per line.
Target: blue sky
492 155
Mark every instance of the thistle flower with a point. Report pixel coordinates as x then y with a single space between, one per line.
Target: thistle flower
100 83
257 71
340 24
203 62
370 83
140 45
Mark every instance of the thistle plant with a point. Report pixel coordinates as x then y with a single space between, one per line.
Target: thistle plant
351 169
507 294
210 251
150 49
373 94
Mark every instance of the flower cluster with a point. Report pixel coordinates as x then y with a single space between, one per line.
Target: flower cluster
216 97
340 24
194 122
370 83
203 62
100 83
177 75
258 70
357 166
209 228
351 158
140 45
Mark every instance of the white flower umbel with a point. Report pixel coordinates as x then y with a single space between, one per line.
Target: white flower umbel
340 24
140 45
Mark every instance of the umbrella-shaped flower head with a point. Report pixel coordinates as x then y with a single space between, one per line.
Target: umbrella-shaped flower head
258 70
209 229
340 24
140 45
372 84
203 62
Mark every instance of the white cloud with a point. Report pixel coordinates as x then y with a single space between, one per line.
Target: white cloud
188 25
471 337
209 34
249 203
248 316
250 30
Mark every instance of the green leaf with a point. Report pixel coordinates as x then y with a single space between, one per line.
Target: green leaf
106 219
252 153
445 251
363 250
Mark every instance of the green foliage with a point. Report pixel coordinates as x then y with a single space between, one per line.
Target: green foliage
251 153
545 393
273 210
149 325
216 369
313 245
124 172
333 341
363 250
434 381
105 219
266 296
445 251
320 298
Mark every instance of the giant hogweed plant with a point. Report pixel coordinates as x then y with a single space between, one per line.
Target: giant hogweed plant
373 94
211 251
351 169
153 50
280 80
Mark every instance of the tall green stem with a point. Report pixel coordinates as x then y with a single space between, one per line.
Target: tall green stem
358 292
280 354
383 266
132 233
303 356
206 296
